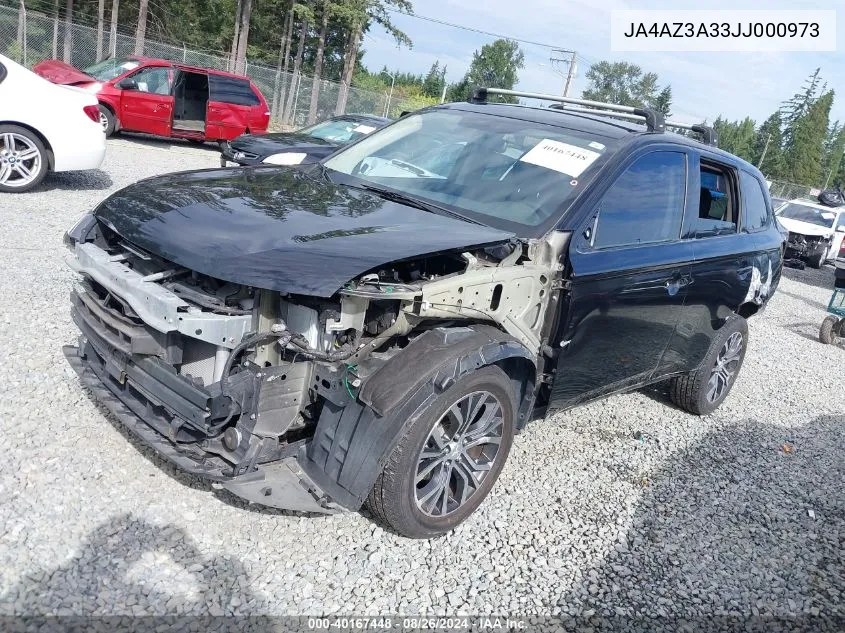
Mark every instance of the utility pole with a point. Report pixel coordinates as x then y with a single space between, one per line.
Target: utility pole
561 56
765 149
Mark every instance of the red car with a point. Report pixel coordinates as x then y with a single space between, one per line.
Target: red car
157 96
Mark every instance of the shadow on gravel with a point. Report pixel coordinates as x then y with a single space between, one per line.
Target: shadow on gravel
821 278
745 530
127 566
163 143
815 304
91 180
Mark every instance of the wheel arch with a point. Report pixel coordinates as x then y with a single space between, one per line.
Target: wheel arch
748 309
351 443
41 137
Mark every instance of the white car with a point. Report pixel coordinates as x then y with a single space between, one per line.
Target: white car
44 127
815 231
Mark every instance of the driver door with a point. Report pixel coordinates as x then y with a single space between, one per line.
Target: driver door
146 101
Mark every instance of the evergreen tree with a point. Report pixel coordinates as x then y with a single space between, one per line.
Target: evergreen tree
736 137
663 102
799 104
433 83
767 152
805 148
834 146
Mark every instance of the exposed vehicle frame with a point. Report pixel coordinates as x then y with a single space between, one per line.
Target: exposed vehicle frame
399 376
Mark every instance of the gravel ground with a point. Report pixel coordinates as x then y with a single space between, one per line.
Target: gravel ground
700 517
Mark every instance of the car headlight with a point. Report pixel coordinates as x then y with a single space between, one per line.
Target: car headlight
285 159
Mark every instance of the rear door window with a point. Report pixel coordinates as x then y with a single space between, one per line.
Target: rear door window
232 90
645 204
718 202
755 209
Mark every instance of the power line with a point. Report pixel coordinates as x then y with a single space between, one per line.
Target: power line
474 30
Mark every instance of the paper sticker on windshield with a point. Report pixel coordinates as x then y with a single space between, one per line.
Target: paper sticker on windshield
828 216
563 157
364 129
596 145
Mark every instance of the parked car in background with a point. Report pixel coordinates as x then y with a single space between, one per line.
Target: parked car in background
44 128
160 97
815 230
377 326
304 146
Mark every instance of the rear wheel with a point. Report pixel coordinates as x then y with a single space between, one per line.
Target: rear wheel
107 120
449 458
829 331
703 390
23 159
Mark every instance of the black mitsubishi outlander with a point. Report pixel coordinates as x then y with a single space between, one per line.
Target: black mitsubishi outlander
376 327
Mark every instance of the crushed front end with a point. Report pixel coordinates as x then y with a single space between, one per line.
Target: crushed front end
800 246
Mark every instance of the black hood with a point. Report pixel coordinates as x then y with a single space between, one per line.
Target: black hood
266 144
278 228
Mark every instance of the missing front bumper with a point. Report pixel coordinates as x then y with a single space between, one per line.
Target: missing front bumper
280 484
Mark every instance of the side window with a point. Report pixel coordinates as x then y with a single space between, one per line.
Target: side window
232 90
840 222
718 208
153 80
755 212
645 204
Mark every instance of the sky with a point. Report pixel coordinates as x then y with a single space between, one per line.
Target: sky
704 85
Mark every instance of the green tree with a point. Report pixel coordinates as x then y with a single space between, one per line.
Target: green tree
433 83
834 146
663 102
768 147
623 83
736 137
804 149
496 65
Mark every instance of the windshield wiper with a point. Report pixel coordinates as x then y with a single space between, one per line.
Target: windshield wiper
401 198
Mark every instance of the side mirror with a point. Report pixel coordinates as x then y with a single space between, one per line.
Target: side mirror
840 228
127 84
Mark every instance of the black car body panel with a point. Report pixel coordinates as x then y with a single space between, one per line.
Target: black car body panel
252 149
568 318
278 228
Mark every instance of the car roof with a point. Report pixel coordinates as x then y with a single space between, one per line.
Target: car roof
593 124
176 64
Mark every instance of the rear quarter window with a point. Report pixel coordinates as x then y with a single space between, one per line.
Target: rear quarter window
232 90
754 208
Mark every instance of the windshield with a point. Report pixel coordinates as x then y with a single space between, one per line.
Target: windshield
340 131
108 69
807 214
495 167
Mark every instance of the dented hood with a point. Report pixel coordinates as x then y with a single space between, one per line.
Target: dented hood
804 228
278 228
59 72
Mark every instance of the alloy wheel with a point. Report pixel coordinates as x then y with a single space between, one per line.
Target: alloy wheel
458 453
725 369
104 121
20 160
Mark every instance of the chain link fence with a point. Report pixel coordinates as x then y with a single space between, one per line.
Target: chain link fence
30 37
791 191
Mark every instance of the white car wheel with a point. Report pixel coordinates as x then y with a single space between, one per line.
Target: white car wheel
23 159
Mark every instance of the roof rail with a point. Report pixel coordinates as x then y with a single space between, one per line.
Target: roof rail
653 119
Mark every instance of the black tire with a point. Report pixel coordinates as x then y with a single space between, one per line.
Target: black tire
829 331
692 391
817 261
24 143
108 119
393 499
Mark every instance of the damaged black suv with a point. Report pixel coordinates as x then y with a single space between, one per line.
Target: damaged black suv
375 328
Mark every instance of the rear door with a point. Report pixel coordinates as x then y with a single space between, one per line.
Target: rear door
630 273
732 264
233 108
146 100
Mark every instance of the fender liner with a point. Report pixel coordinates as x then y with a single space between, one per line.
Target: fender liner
351 443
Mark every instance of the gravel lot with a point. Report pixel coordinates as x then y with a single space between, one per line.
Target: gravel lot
701 517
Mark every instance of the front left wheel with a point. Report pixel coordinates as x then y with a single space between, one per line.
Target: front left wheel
449 458
23 159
